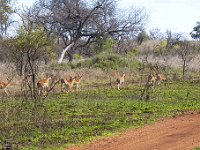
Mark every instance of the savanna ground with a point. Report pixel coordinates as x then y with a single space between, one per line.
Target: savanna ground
98 109
62 120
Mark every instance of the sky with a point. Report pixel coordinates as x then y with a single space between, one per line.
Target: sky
175 15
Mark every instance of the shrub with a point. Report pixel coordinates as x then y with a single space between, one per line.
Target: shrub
76 56
104 61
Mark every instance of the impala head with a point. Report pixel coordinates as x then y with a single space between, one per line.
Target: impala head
50 77
123 74
69 81
78 78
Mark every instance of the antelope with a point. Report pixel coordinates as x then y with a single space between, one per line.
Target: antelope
68 83
43 85
151 80
4 85
62 82
120 80
160 78
77 81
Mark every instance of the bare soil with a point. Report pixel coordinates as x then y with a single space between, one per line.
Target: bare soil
176 133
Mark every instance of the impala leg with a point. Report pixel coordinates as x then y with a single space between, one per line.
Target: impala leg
77 86
118 86
61 87
67 89
45 90
5 90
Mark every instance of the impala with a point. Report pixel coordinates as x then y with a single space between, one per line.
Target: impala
62 83
160 78
120 80
151 80
68 83
5 85
77 81
43 85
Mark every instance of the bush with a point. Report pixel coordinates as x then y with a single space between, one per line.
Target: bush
104 61
76 56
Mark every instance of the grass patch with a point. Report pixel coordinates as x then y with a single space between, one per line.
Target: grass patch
62 120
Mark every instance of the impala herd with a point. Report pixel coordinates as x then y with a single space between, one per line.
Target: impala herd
68 84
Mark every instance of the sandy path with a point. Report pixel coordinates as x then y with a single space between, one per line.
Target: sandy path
177 133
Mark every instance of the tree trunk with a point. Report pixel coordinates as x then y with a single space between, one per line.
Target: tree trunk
184 69
70 55
64 51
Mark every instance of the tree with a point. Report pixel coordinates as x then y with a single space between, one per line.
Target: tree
173 39
146 49
186 51
29 46
195 34
5 12
142 36
72 21
25 50
156 34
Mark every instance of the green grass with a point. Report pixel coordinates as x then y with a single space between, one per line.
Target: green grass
61 120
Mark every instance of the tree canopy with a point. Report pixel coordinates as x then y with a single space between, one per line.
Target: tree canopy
5 12
195 34
72 21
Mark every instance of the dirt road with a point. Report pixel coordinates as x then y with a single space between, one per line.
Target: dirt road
177 133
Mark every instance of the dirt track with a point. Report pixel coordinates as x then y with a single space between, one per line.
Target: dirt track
177 133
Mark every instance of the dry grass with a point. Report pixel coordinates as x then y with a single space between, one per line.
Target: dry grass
172 61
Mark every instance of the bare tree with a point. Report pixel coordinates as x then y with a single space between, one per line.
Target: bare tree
72 21
156 34
146 49
173 39
186 50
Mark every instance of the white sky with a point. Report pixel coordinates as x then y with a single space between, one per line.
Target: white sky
174 15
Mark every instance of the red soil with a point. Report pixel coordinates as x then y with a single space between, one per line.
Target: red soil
177 133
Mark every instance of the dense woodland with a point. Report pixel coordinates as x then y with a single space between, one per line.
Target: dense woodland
96 40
